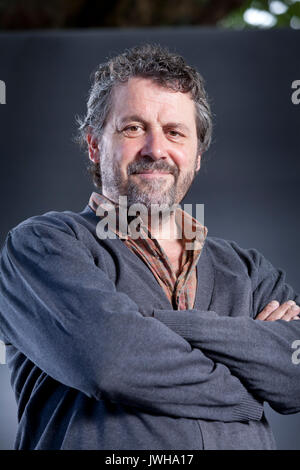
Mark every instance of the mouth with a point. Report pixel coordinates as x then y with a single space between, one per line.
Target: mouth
151 173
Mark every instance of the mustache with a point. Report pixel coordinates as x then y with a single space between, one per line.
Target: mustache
160 165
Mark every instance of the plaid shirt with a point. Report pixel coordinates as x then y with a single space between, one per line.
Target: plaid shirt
180 290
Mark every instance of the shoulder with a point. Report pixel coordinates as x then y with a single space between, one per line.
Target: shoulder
72 223
228 253
55 228
51 239
224 247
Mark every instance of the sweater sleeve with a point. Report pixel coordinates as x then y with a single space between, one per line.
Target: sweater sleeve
259 352
62 312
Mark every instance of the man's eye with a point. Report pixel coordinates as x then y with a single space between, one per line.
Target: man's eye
174 133
132 129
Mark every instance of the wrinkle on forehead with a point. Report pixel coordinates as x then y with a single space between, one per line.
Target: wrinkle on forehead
151 91
161 100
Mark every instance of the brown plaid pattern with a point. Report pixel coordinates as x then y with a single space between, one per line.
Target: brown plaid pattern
180 290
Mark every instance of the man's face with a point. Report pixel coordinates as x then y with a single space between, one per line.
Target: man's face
148 150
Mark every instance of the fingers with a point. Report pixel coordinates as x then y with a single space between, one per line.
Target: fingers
274 311
286 311
263 315
292 313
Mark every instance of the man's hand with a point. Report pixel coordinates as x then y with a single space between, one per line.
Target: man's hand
274 311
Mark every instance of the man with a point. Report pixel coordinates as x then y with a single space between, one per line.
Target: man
166 340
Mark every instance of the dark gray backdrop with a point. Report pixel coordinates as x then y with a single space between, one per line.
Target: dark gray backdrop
249 183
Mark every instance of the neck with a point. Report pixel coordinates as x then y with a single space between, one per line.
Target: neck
163 226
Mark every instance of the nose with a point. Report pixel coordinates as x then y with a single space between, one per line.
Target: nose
154 145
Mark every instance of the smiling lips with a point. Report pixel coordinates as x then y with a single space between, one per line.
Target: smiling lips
152 173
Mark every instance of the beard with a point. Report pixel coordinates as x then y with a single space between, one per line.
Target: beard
145 191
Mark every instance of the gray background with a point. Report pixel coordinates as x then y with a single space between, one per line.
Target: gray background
249 183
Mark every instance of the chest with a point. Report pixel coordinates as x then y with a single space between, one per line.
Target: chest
174 253
225 291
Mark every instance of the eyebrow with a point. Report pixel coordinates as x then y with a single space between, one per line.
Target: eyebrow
137 118
132 117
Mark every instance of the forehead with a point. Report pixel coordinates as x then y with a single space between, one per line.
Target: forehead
145 96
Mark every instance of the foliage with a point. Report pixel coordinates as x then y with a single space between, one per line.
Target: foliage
39 14
283 13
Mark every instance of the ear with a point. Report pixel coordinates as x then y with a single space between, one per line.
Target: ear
93 148
198 163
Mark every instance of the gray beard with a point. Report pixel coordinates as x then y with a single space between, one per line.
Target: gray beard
149 194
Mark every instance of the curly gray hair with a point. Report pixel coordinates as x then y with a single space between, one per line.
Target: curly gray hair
149 61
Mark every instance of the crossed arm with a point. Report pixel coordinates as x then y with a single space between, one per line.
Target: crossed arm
257 350
62 312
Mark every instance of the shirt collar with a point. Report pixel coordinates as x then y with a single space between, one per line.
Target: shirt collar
188 224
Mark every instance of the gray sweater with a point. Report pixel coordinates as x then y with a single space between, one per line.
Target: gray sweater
100 360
